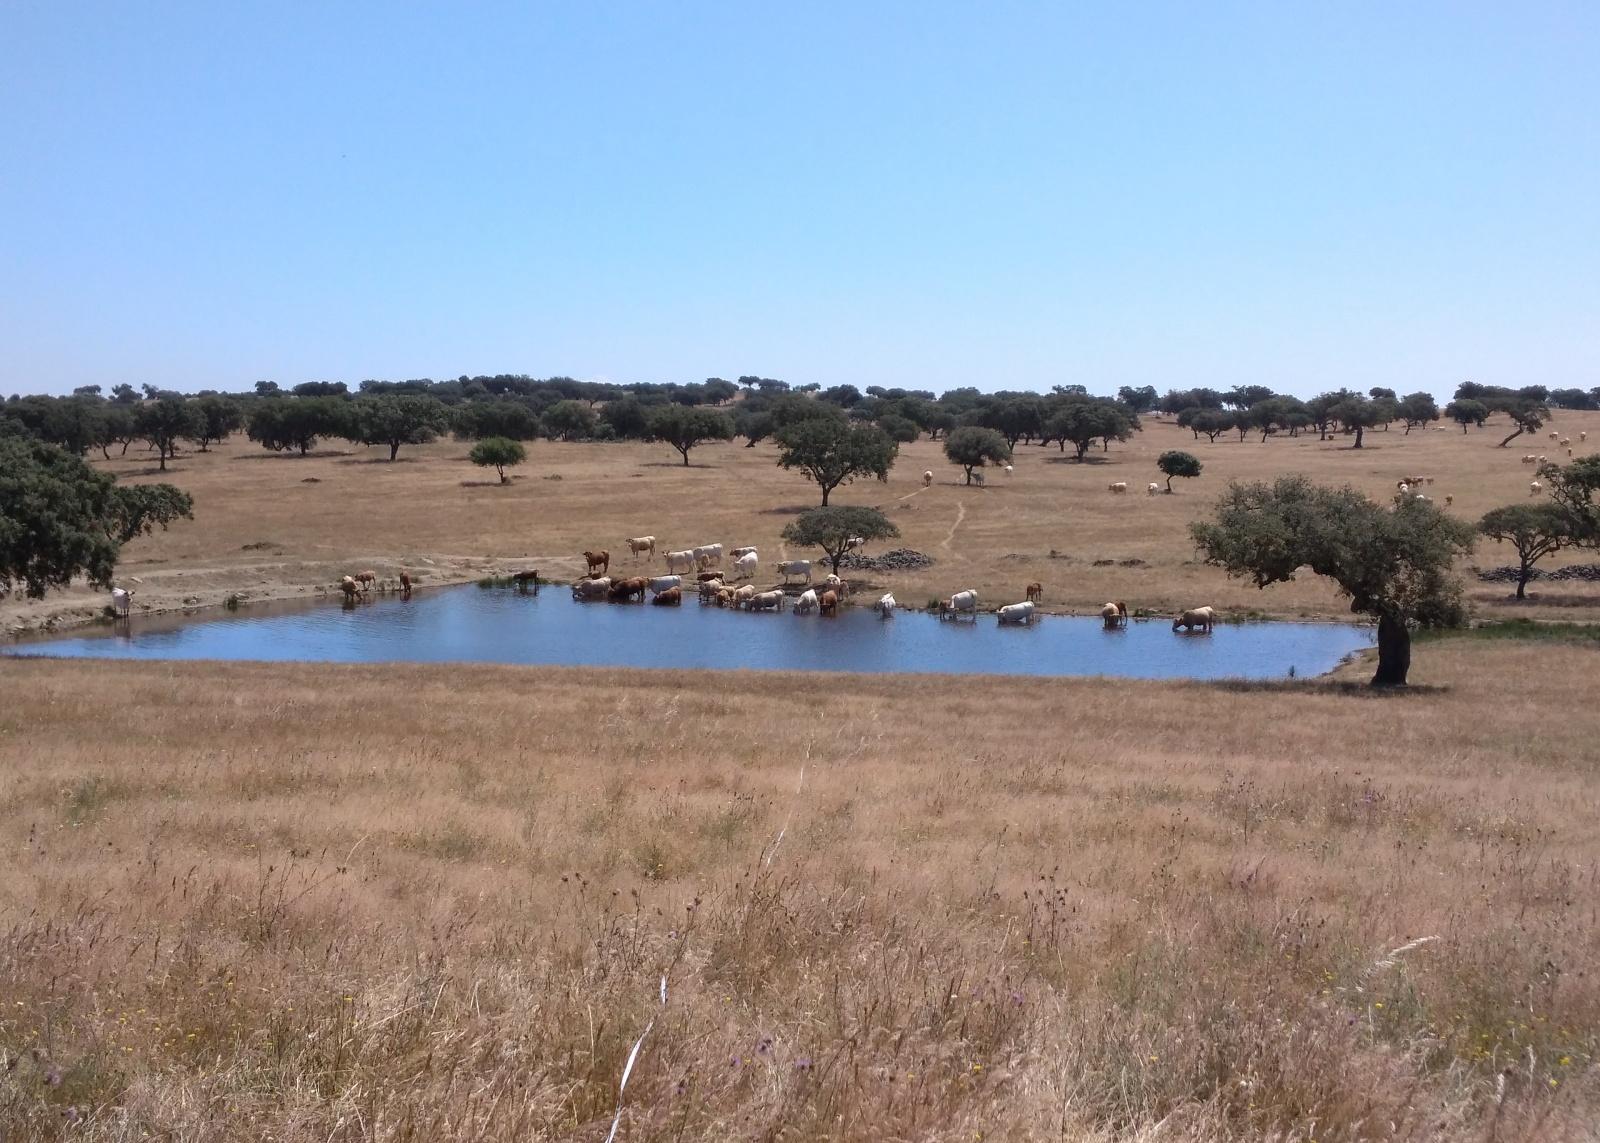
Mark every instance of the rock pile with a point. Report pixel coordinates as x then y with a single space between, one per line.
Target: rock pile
901 559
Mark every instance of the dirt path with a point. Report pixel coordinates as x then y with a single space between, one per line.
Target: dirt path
961 514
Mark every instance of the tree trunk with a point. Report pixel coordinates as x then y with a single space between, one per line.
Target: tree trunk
394 451
1360 429
1522 579
1394 652
825 491
1508 440
1169 484
685 453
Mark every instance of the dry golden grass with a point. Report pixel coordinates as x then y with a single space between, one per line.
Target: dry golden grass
350 903
436 514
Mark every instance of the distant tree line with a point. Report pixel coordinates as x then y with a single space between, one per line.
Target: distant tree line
755 409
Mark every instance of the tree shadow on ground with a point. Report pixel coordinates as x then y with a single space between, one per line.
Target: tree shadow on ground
787 510
1345 688
289 454
678 464
489 483
1088 459
380 460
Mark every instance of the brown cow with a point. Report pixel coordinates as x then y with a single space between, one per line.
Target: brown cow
349 586
828 603
366 579
669 598
1035 592
707 577
524 578
405 584
601 560
624 590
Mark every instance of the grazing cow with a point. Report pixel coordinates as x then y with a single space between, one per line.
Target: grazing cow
790 568
524 578
597 588
886 605
708 555
977 478
601 560
961 601
405 584
1035 592
766 601
367 579
1555 436
1530 459
349 586
746 566
121 597
623 591
1449 500
1202 617
1119 486
828 603
1152 488
1114 614
1016 613
706 577
681 561
1009 470
927 478
835 584
642 544
1541 460
711 588
1566 442
738 552
665 583
1534 488
669 598
807 602
743 594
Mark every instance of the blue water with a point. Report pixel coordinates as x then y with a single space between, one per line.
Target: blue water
502 625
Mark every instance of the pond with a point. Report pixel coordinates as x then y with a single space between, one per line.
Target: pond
503 625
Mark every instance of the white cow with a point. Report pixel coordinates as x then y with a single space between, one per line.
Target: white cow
591 588
1152 488
1530 459
708 555
1534 488
834 584
1009 470
1017 612
1119 486
663 582
1584 435
807 602
854 542
743 595
961 601
681 561
639 544
121 598
886 605
746 566
927 478
766 601
795 567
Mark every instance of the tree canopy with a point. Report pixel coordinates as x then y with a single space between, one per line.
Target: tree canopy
1174 462
394 420
1082 422
832 452
1466 412
497 453
832 529
1534 530
1394 563
281 423
59 518
972 448
685 428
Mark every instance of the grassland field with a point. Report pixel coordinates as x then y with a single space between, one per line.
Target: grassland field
336 903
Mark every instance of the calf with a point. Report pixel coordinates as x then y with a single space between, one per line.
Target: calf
828 603
601 560
1035 592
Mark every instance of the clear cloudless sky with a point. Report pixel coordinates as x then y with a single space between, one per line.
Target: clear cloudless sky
922 194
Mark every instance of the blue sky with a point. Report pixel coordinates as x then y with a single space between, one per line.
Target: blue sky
921 194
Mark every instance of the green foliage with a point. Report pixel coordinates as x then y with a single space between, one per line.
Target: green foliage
1417 409
165 421
282 423
899 429
1466 412
1527 416
394 420
569 421
685 428
1394 563
59 518
1534 530
1358 414
498 453
831 529
1573 486
509 418
1139 400
1212 422
218 417
973 448
1176 463
1082 422
833 452
629 418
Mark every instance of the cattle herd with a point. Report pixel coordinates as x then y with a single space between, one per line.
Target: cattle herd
722 587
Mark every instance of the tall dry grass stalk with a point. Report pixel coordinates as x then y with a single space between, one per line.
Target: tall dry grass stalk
388 903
